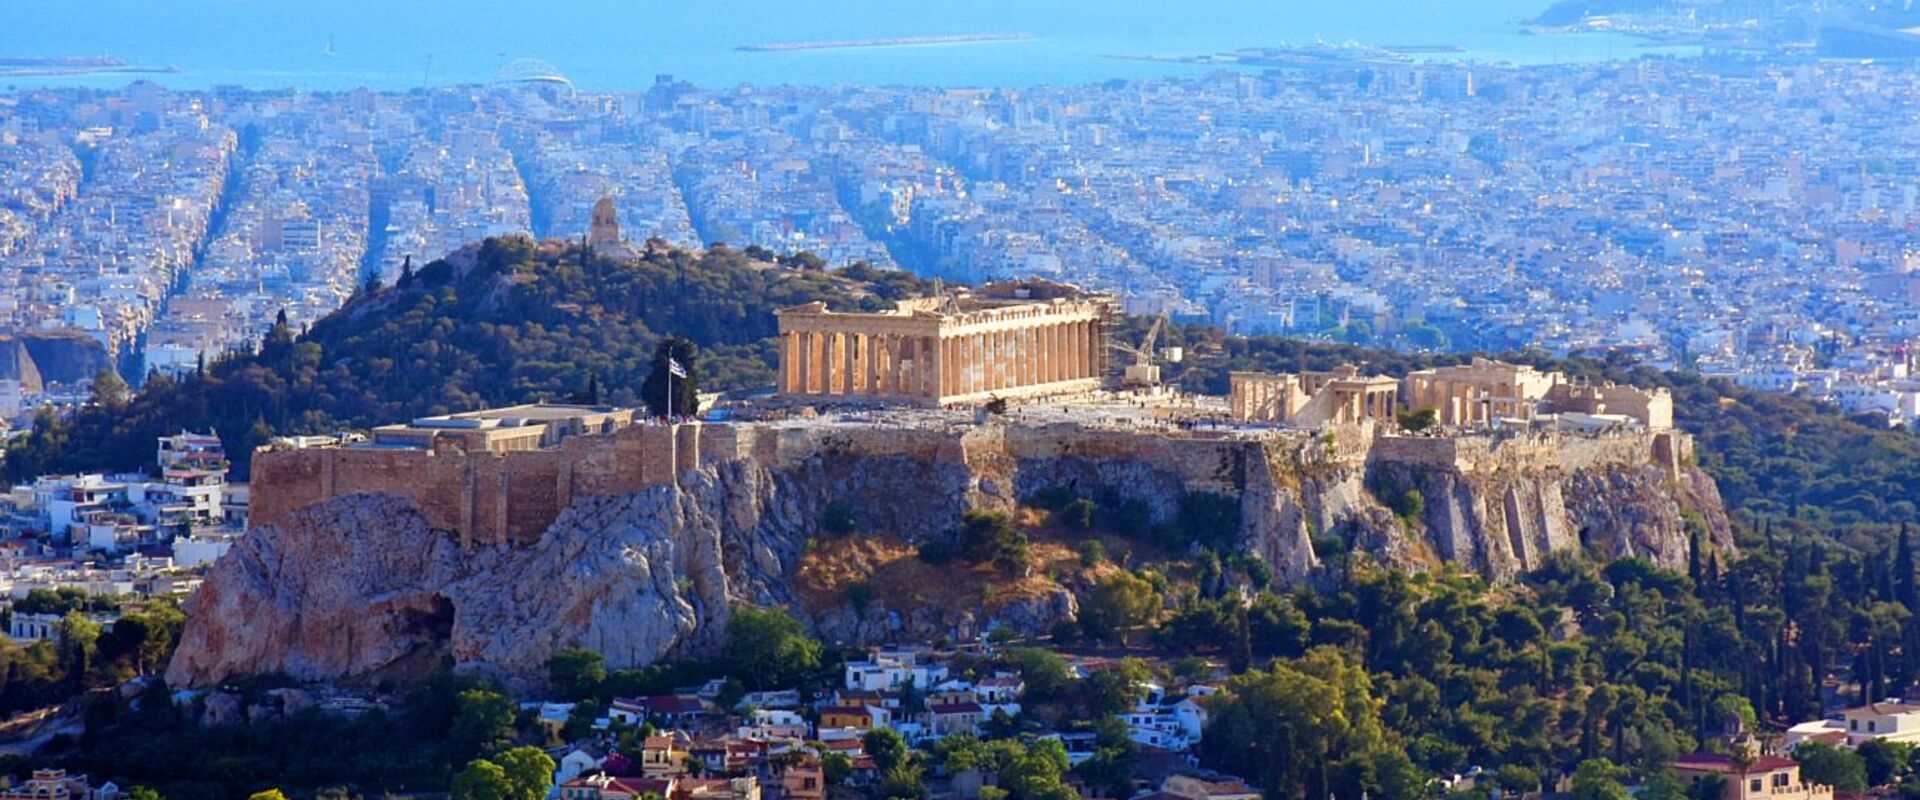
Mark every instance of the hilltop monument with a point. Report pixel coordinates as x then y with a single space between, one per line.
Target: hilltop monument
603 231
1008 340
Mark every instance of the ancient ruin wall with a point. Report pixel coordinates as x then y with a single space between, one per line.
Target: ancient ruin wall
494 498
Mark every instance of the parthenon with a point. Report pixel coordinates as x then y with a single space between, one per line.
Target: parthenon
1008 340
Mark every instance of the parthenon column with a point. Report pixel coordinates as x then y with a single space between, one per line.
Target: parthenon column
963 365
1091 358
1077 343
1095 355
1042 354
785 385
989 362
900 360
802 353
1017 355
1022 357
855 369
982 362
989 358
1030 357
1010 359
1000 361
1062 352
910 365
809 361
816 362
914 381
1003 359
823 363
930 376
896 365
969 363
869 352
944 346
823 383
829 361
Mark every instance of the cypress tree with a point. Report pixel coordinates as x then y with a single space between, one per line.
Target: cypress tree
1693 557
1903 571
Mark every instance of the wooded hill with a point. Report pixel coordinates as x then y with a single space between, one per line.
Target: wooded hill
509 321
512 321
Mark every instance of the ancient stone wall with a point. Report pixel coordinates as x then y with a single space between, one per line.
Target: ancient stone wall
486 498
511 498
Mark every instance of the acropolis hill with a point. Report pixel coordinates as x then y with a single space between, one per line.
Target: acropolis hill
496 538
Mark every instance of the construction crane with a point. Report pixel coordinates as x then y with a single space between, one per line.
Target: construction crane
1143 372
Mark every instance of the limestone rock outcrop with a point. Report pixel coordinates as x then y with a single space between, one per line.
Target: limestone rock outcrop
361 586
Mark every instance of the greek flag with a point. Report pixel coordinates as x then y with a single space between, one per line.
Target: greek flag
674 368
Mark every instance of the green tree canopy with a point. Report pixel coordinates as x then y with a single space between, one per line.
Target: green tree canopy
768 649
576 674
1119 601
886 746
1599 779
483 720
483 780
528 770
1837 767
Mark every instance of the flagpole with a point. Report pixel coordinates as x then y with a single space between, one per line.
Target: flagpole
673 437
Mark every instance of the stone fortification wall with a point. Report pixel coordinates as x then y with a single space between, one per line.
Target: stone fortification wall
1490 454
487 498
1296 481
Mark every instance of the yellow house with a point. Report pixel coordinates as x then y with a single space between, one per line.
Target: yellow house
862 717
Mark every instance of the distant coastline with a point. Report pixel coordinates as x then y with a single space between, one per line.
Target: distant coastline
60 61
48 66
890 41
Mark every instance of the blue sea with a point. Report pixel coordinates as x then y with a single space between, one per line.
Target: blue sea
610 45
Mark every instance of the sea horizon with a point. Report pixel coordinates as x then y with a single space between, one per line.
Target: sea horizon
622 47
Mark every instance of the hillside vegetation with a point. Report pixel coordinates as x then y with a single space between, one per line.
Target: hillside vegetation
507 322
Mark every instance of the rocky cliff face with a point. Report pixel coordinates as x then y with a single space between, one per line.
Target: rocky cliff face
39 357
360 586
